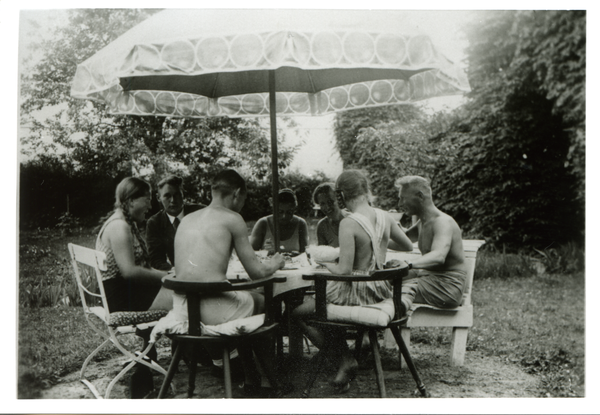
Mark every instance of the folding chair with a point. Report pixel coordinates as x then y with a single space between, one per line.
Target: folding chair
362 320
110 326
194 292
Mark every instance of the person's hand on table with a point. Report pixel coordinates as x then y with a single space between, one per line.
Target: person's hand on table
290 254
278 260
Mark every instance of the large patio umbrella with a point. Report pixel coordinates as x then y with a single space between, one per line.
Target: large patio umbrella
244 63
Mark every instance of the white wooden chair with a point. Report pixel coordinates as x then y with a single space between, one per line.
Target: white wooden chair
459 318
87 264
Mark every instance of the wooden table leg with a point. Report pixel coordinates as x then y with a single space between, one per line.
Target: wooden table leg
295 335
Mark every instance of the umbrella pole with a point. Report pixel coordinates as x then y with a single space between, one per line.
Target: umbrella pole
274 169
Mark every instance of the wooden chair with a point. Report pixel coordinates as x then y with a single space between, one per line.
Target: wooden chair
194 291
395 275
87 264
459 318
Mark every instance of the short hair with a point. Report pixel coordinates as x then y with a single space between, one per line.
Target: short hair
130 188
227 182
352 184
171 180
415 182
287 196
327 188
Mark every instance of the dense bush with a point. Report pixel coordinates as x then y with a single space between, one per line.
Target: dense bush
392 149
48 189
509 165
516 177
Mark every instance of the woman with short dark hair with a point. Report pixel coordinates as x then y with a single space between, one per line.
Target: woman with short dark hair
293 229
328 227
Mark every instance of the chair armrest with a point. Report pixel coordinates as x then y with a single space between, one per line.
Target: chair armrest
377 275
198 287
195 287
247 285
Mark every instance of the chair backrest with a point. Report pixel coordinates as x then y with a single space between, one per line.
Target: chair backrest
87 266
470 246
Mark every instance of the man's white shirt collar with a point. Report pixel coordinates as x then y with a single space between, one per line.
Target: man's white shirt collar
172 218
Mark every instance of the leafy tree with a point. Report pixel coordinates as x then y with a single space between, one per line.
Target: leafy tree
96 142
557 40
509 165
394 149
348 124
46 87
516 178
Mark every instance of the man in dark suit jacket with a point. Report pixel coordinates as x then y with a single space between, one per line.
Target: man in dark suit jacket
160 229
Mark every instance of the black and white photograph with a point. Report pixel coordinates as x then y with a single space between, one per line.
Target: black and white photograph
304 202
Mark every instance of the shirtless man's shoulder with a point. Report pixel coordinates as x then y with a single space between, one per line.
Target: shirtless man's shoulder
440 220
214 216
206 237
441 225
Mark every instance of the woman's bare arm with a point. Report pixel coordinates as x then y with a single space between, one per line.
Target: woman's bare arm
257 237
119 237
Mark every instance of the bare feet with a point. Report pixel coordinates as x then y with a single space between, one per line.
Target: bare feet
346 373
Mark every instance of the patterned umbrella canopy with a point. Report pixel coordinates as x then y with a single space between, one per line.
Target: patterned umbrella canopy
239 63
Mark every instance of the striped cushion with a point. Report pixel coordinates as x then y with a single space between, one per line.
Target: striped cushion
375 315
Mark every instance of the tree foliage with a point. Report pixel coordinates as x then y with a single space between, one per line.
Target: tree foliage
510 164
348 125
544 51
517 179
50 188
403 143
95 142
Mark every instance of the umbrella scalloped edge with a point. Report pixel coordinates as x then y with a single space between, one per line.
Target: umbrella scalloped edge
341 98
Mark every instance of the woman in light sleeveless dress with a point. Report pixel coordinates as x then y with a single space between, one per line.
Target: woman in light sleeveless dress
364 237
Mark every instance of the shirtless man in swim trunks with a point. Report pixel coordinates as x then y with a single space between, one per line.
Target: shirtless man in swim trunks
204 242
438 277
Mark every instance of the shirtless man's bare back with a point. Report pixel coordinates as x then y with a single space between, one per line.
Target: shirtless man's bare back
438 277
205 240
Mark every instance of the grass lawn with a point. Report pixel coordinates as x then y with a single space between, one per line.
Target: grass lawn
534 322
